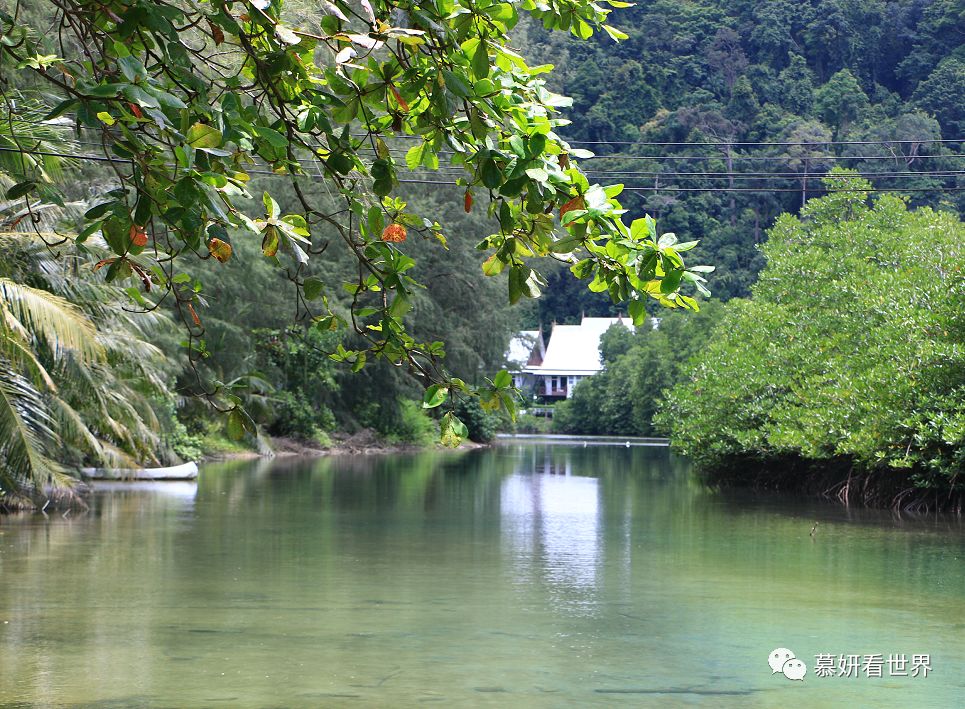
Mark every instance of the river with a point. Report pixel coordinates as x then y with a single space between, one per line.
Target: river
524 575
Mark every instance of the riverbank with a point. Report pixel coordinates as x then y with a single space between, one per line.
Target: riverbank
837 479
364 442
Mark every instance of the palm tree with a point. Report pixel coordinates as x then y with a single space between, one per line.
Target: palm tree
78 377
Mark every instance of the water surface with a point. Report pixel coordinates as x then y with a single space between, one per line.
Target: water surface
530 575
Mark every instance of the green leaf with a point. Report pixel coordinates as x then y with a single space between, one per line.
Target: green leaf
375 221
415 155
516 279
671 281
341 163
20 189
238 424
566 245
492 177
312 287
435 395
480 61
537 144
61 108
116 233
271 206
452 430
493 265
383 179
201 135
455 83
638 312
359 362
137 95
615 34
502 379
647 268
639 230
271 136
132 68
582 269
523 281
400 306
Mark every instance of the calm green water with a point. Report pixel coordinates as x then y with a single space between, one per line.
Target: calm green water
541 576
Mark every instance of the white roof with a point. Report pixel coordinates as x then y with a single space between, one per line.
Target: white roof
521 347
575 349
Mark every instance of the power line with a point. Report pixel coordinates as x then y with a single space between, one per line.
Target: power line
666 144
737 143
627 188
630 188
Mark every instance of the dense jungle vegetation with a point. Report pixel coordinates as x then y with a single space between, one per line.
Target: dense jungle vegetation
717 117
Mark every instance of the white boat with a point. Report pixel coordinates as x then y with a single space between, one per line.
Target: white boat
186 471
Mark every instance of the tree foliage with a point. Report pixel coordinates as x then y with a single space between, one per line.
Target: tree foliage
849 355
191 100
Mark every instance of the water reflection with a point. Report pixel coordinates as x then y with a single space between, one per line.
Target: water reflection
519 576
551 527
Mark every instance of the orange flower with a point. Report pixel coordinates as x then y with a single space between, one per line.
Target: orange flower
393 232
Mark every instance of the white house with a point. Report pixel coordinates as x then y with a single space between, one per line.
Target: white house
551 370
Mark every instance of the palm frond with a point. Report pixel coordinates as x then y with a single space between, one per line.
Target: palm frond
20 354
26 434
73 430
33 146
52 319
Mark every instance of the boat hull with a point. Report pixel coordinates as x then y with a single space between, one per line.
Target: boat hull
187 471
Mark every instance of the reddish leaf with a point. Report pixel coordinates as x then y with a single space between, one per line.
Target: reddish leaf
398 97
136 110
216 34
467 203
194 315
143 275
564 160
138 235
575 203
103 262
394 233
221 250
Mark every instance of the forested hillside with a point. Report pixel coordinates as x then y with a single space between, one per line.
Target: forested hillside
703 109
